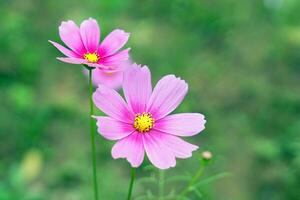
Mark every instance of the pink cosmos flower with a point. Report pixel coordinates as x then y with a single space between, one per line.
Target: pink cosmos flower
84 47
112 79
143 124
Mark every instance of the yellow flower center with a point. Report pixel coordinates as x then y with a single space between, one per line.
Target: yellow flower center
143 122
92 57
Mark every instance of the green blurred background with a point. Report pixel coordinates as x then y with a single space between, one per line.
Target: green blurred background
240 58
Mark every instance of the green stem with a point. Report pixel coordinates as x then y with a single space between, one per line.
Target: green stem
131 183
161 184
193 181
92 133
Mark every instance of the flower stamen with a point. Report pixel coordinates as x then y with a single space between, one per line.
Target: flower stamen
91 57
143 122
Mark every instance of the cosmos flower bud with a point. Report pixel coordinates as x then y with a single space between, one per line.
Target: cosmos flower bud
206 155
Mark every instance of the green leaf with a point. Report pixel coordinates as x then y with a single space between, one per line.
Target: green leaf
212 178
197 192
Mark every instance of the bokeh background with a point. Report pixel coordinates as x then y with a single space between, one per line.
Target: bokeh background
240 58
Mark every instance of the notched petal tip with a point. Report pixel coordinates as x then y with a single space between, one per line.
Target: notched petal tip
167 167
203 121
135 65
181 80
193 148
145 67
132 164
177 78
121 31
63 23
92 20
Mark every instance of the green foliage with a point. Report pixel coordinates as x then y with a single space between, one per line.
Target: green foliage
191 183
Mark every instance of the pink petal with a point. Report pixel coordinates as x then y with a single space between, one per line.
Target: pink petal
112 129
167 95
137 87
113 42
111 103
115 59
73 60
179 147
184 124
130 148
70 35
90 34
159 154
64 50
111 79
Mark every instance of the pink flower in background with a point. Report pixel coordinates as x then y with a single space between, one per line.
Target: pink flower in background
143 124
85 47
112 79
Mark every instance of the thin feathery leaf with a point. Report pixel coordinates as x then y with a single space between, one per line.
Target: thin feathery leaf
197 192
212 178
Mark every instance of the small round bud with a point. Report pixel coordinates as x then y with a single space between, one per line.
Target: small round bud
206 155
